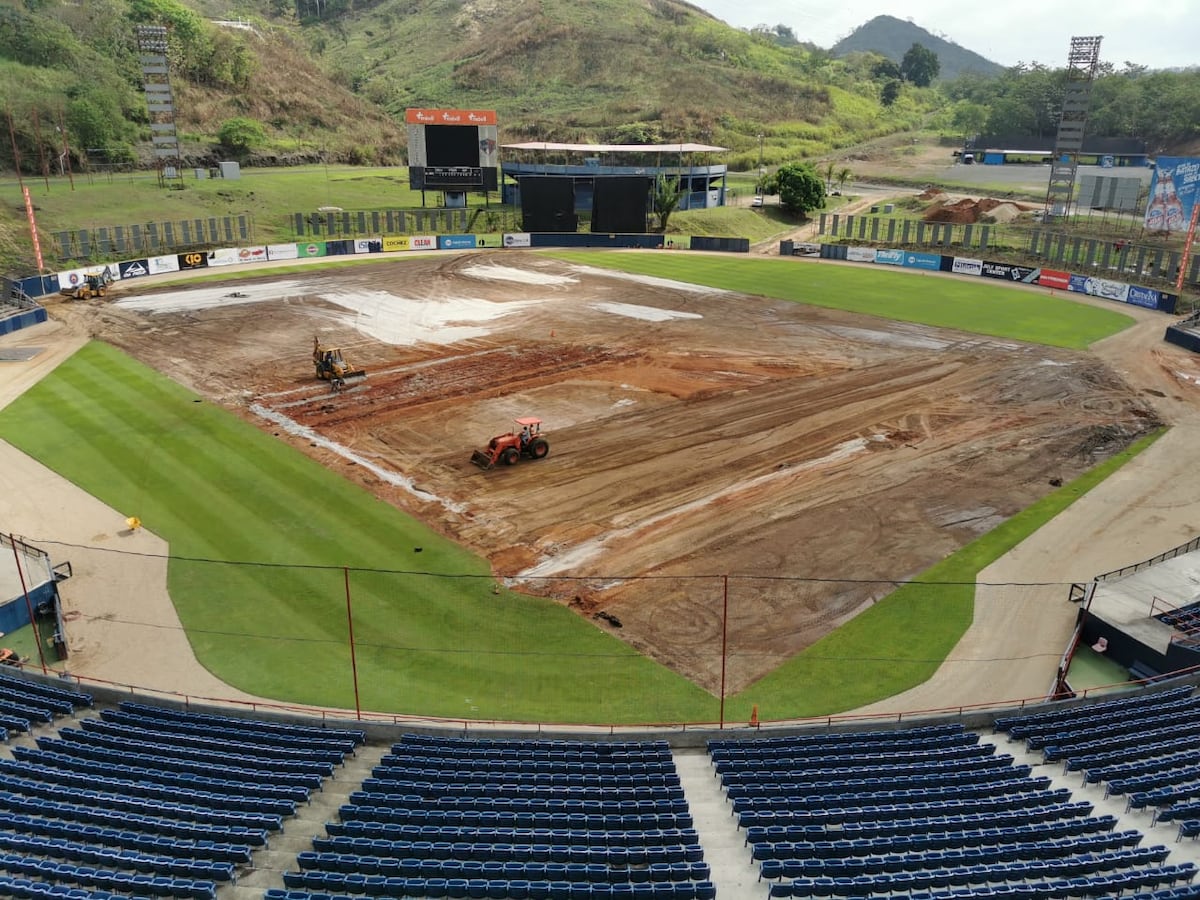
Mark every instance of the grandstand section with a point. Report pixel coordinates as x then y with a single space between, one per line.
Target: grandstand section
210 804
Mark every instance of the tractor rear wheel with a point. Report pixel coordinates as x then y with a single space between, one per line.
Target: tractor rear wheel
510 456
539 448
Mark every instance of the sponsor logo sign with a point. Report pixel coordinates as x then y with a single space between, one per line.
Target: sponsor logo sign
450 116
368 245
1140 296
517 240
931 261
1009 272
860 254
314 249
456 242
889 257
282 251
197 260
135 268
1099 287
803 249
1055 279
422 242
252 254
965 266
226 256
391 244
160 265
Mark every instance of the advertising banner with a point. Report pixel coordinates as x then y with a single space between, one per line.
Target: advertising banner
889 257
316 248
456 242
930 261
422 242
134 268
226 256
1054 279
195 260
282 251
1008 272
251 254
965 266
160 265
1174 191
679 242
866 254
1147 297
1099 287
804 249
368 245
450 116
516 240
489 240
70 278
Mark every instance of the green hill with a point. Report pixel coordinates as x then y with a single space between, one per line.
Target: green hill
892 37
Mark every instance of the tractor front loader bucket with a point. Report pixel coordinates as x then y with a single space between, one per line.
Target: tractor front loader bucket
481 459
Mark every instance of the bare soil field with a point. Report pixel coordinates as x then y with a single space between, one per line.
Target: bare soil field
816 455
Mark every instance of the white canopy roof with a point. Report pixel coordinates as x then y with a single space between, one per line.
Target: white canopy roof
617 148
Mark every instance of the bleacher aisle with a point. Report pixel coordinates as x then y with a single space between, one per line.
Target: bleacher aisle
734 873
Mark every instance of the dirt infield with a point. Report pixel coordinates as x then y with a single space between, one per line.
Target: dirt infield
693 432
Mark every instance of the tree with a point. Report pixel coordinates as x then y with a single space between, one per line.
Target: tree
800 188
890 93
885 69
920 65
829 174
843 176
969 118
667 191
240 135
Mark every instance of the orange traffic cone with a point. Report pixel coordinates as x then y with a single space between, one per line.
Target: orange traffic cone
754 716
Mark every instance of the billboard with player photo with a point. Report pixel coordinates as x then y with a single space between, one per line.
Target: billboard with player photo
1174 191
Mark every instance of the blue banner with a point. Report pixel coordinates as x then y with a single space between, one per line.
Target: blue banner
456 242
931 261
889 257
1174 192
1147 297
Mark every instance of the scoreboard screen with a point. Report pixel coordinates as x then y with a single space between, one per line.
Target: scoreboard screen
452 149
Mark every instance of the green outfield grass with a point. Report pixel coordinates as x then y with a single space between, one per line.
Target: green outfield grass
972 305
217 488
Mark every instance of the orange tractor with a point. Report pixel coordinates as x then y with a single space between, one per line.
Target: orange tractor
508 448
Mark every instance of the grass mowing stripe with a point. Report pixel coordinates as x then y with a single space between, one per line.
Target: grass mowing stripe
863 662
204 479
980 306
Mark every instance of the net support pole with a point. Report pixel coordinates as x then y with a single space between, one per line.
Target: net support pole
353 655
724 640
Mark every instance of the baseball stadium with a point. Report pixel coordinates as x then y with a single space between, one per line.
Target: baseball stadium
549 565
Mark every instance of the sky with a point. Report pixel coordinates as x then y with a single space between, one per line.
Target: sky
1165 35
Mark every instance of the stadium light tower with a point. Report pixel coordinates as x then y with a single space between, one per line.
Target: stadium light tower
1077 91
156 80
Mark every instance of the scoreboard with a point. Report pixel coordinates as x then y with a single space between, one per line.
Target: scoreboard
452 149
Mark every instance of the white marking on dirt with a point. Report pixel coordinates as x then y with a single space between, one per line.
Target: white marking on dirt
899 338
509 273
405 320
575 557
380 314
386 475
201 298
645 313
1052 362
651 280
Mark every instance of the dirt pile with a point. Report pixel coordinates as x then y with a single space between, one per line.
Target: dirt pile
968 211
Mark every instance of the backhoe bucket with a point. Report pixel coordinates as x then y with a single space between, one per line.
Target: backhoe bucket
481 459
